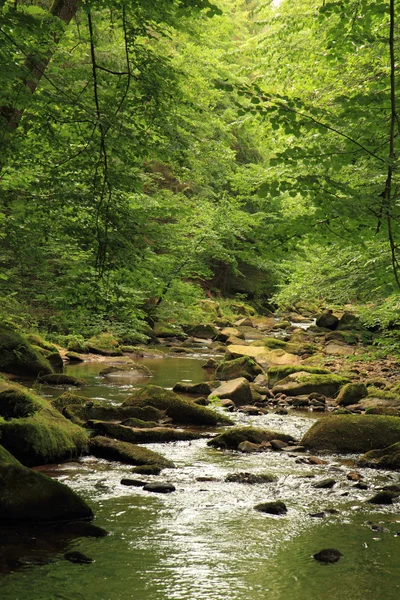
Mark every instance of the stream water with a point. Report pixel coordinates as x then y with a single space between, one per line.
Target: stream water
205 541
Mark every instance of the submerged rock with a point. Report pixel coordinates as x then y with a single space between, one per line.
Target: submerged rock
352 433
125 452
328 555
233 437
272 508
78 558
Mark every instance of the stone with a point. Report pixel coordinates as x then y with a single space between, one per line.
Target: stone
335 349
303 383
159 488
272 508
61 379
279 372
125 452
238 390
352 433
243 366
147 470
201 331
250 478
204 388
19 357
147 435
324 484
328 555
385 458
383 497
132 482
244 322
78 558
278 444
233 437
249 447
327 320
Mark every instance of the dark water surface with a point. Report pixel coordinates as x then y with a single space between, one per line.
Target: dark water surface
205 541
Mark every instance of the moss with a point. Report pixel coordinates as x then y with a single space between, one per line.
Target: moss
301 383
231 438
7 458
386 458
61 379
281 325
74 357
26 495
375 392
125 452
133 350
16 402
140 435
244 366
37 340
76 343
351 393
281 371
105 344
147 470
204 387
389 411
166 330
42 437
351 433
181 411
203 331
139 423
128 367
17 356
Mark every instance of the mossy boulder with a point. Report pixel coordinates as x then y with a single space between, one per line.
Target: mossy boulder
74 357
302 383
352 433
167 330
76 343
231 438
245 366
7 458
18 357
202 331
263 355
390 411
61 379
16 403
179 410
203 388
26 495
104 447
385 458
37 340
105 344
151 435
327 320
351 393
279 372
43 435
131 369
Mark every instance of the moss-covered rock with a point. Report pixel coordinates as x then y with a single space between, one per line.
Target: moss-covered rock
244 366
76 343
74 357
16 403
37 340
351 393
142 435
203 388
6 458
29 496
179 410
105 344
202 331
231 438
167 330
104 447
279 372
386 458
327 320
302 382
17 356
389 411
61 379
128 369
352 433
43 435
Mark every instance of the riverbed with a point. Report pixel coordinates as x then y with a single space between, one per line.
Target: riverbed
205 541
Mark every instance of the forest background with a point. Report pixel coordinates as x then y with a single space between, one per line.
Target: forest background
159 157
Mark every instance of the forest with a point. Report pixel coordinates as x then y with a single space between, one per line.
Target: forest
199 229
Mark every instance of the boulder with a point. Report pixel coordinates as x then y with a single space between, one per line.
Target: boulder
351 393
279 372
386 458
352 433
204 332
263 355
301 383
74 357
250 478
179 410
328 555
231 438
35 432
26 495
249 447
159 488
229 332
18 357
327 320
336 349
244 322
276 507
125 452
105 344
244 366
61 379
204 388
238 390
151 435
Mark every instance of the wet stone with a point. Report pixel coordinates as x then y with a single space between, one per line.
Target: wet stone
159 488
78 558
328 555
324 484
385 497
272 508
133 482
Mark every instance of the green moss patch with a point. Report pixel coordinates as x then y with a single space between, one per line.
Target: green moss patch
6 458
179 410
104 447
105 344
352 433
17 356
231 438
386 458
302 382
351 393
279 372
61 379
142 435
